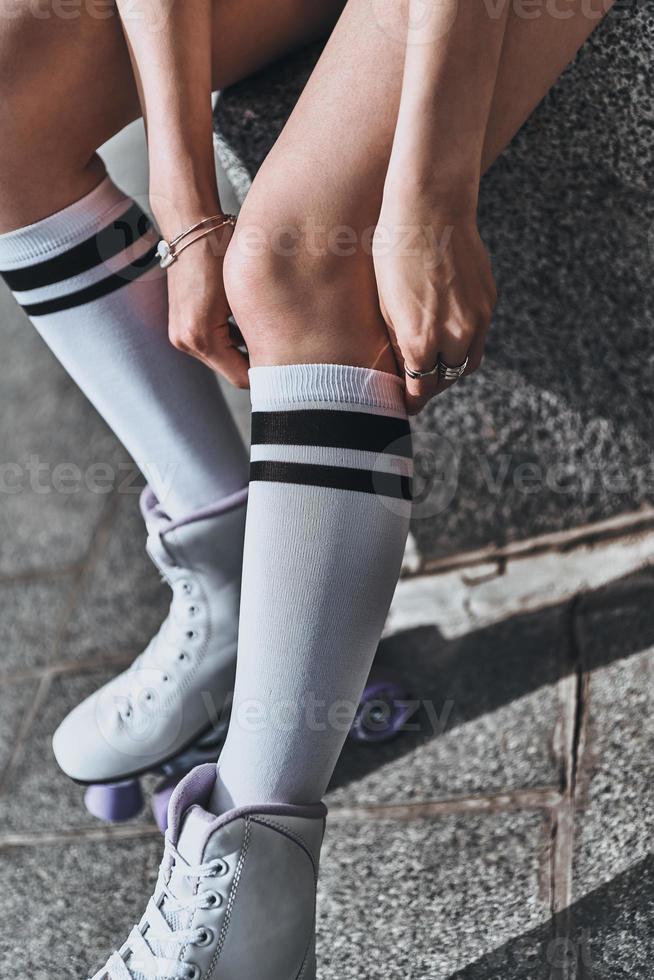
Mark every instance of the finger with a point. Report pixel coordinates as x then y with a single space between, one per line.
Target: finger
476 352
395 347
221 353
419 391
454 351
234 366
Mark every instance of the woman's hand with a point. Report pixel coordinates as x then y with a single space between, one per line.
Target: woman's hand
436 288
198 308
172 58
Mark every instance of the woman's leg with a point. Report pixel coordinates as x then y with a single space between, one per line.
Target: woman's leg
327 169
87 276
313 570
184 438
67 86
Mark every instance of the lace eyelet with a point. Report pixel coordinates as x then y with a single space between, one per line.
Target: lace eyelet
204 938
221 870
193 610
191 634
213 900
186 588
192 971
182 656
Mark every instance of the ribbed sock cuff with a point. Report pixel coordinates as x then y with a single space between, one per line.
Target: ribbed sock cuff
337 384
56 233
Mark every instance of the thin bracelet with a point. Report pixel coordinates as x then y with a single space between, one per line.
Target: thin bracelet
169 252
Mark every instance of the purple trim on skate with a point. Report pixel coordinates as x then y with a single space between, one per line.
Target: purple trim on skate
153 513
151 509
114 802
197 787
223 506
160 803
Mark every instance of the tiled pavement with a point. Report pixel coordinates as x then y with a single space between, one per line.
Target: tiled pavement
505 838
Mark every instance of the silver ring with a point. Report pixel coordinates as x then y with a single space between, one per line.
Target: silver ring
447 372
421 374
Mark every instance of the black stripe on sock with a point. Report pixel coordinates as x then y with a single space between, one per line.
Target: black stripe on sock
115 238
336 429
335 477
99 289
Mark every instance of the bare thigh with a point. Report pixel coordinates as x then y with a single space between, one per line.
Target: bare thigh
328 167
66 84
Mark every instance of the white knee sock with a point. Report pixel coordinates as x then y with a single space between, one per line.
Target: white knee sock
327 521
89 279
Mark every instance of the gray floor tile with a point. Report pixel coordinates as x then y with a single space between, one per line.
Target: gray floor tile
606 935
419 901
32 617
400 901
613 867
496 692
37 785
616 804
609 928
122 601
66 907
15 700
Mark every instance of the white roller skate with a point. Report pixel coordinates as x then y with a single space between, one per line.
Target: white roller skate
166 712
236 894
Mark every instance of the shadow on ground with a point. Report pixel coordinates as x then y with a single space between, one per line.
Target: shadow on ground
463 679
581 942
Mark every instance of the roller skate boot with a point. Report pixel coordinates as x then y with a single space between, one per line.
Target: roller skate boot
236 894
167 711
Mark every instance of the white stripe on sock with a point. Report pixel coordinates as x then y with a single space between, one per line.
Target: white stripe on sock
328 456
117 262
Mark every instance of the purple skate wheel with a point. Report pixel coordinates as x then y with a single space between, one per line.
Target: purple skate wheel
114 802
383 712
160 801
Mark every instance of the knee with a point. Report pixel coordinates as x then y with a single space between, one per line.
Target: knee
296 299
267 287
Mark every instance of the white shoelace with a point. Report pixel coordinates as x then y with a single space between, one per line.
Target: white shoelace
168 640
153 927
